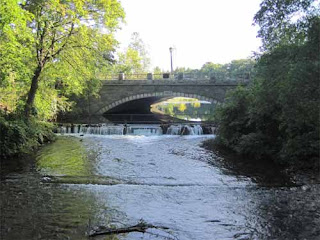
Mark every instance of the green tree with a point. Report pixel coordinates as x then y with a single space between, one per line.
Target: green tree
182 70
285 21
15 52
129 62
278 115
135 58
240 69
236 69
214 71
286 105
157 70
68 42
138 45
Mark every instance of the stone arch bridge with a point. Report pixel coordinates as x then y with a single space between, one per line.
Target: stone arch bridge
118 96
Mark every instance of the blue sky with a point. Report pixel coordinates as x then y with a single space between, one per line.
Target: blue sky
200 31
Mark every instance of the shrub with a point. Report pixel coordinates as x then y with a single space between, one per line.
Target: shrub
21 136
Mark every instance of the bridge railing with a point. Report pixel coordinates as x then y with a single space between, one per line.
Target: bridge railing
169 76
139 76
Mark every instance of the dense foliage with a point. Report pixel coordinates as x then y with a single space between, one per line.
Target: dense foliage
277 117
52 49
21 136
15 54
284 22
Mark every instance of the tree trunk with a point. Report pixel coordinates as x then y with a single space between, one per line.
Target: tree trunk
32 92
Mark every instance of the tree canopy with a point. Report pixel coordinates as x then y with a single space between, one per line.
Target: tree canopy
277 116
285 21
15 43
135 57
65 46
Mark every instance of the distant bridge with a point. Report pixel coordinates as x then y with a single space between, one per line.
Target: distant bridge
134 93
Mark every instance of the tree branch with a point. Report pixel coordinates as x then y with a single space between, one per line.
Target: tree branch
64 45
82 46
140 227
40 52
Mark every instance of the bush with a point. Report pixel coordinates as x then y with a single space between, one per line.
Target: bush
19 136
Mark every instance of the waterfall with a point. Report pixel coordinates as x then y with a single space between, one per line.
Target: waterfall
185 130
128 129
98 129
197 130
174 130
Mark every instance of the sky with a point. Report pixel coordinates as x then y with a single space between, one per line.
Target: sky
200 31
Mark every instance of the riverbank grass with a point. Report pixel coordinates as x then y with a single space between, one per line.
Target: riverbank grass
66 156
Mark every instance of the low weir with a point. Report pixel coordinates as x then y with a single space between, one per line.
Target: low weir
134 129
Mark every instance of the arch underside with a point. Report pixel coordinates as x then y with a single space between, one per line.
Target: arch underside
159 95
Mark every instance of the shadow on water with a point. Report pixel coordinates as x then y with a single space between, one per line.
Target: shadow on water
265 173
278 208
286 213
16 165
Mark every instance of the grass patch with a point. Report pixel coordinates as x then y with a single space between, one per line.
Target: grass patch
66 156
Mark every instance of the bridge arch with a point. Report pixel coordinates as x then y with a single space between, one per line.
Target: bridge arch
164 94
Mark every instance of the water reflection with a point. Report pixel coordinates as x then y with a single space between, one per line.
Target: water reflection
32 209
190 109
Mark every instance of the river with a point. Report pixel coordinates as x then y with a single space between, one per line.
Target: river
164 180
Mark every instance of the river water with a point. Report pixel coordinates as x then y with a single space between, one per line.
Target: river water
169 181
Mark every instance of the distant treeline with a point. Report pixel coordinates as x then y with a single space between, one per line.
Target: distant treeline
235 70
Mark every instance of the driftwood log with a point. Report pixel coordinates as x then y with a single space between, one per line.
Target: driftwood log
140 227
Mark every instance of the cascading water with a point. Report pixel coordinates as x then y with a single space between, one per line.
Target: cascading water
185 130
99 129
174 130
129 129
197 130
103 129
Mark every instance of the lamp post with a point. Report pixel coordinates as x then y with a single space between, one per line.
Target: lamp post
170 49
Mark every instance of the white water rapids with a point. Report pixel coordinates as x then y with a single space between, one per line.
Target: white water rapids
171 184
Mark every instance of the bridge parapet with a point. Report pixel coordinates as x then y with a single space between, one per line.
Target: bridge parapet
167 77
199 82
